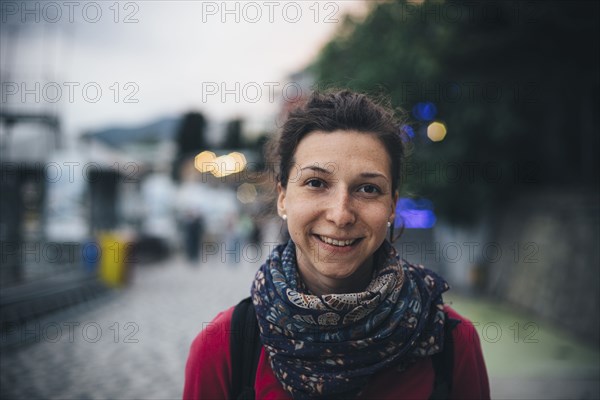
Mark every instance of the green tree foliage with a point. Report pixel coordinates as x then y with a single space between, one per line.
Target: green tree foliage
515 83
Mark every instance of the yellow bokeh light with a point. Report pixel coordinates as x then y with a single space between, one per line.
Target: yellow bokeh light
436 131
226 165
204 162
229 164
240 161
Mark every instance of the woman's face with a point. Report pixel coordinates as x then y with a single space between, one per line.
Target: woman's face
338 202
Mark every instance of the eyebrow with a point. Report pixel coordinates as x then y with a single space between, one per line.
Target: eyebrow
317 169
373 175
328 172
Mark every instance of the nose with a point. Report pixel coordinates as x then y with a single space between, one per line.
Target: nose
341 210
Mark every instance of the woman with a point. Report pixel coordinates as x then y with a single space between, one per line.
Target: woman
340 315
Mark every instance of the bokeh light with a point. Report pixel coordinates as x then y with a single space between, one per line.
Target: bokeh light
222 166
408 133
204 162
436 131
240 159
246 193
415 214
424 111
226 165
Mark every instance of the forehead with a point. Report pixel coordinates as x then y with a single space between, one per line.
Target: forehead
354 151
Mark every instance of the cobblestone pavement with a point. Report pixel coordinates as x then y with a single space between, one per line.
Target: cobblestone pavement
133 343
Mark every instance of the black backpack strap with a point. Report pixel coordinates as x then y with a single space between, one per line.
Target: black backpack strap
245 349
443 363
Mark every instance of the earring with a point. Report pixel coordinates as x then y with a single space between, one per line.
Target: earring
284 217
389 224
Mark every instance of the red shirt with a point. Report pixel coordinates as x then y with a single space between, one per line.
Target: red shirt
208 369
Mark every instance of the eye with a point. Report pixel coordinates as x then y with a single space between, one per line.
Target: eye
315 183
370 189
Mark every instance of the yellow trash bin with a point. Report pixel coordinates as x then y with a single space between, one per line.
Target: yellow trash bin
113 259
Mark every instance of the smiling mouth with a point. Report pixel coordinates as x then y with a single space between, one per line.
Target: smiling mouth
336 242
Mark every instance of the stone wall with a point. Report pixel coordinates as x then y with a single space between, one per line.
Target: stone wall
552 267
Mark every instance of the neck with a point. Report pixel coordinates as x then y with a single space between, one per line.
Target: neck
320 285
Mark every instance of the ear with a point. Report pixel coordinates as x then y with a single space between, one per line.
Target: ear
280 199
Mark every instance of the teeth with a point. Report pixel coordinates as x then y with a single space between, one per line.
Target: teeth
337 242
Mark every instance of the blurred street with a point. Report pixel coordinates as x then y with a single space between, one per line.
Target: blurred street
166 306
146 330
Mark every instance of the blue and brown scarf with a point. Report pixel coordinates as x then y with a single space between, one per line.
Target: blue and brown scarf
329 346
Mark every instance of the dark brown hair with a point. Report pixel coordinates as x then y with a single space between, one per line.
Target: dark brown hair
338 110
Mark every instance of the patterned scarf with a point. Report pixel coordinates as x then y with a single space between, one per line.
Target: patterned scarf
328 346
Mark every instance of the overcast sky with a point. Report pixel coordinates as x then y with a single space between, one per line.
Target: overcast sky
151 59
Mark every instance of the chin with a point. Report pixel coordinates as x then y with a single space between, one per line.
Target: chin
337 273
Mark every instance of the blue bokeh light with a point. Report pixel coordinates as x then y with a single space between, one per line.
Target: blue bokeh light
415 214
408 133
424 111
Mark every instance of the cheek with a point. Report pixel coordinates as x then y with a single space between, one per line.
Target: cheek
299 217
379 226
379 216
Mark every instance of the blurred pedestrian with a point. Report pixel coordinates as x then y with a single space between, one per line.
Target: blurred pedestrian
339 314
193 228
189 205
232 240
